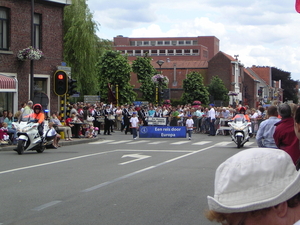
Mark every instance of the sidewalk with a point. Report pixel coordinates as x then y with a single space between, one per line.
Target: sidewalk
62 142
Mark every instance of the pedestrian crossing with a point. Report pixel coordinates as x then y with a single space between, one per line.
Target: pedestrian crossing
185 142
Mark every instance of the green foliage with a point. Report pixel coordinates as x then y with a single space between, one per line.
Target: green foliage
217 89
144 70
194 89
287 84
80 44
113 68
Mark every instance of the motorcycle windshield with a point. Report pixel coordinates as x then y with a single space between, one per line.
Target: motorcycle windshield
239 118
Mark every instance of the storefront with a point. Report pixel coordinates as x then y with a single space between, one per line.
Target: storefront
8 93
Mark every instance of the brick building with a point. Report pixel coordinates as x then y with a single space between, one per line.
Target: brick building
15 75
181 55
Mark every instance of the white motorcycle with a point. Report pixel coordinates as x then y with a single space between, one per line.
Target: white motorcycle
240 130
29 137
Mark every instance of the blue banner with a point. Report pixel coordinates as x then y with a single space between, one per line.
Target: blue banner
162 132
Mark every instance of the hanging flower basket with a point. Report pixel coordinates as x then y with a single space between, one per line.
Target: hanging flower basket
159 79
29 53
196 103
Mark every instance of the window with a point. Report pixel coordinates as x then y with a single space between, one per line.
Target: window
146 52
130 52
181 42
195 52
37 30
159 42
178 52
4 28
205 54
188 42
162 52
154 52
195 42
138 52
187 51
132 43
174 42
167 42
138 43
146 42
170 52
153 43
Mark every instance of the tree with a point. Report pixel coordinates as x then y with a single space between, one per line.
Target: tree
194 89
217 89
80 42
287 84
114 69
144 70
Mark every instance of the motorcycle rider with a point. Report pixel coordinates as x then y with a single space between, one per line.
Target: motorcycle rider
242 110
39 116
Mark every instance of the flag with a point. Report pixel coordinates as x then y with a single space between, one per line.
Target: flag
297 6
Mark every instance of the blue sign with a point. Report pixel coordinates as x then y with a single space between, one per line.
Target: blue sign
162 132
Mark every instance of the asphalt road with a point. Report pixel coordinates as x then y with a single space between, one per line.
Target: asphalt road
115 180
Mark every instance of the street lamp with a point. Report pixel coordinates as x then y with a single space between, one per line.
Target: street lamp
160 63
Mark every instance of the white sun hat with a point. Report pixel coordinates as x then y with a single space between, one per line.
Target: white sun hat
254 179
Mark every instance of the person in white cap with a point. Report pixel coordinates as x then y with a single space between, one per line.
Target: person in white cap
258 186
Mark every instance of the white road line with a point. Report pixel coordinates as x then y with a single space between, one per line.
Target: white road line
100 142
201 143
54 162
179 142
47 205
119 142
224 143
137 142
156 150
145 169
156 142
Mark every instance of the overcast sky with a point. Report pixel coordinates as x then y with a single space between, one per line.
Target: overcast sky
261 32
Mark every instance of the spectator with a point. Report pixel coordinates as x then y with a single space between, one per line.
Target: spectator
264 137
66 129
284 135
11 130
51 134
27 111
259 186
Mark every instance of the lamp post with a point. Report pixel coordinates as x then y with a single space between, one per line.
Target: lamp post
160 63
32 44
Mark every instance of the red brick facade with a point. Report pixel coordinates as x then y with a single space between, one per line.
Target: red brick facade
20 37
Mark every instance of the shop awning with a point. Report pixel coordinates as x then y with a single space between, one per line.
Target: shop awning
7 82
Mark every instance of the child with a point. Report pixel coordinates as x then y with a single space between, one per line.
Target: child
189 126
90 132
4 137
134 124
52 134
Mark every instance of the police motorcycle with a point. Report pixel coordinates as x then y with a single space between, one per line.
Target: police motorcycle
239 130
29 137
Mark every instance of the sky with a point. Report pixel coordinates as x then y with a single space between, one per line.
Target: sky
261 32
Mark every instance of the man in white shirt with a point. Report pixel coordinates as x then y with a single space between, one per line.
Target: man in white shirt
212 119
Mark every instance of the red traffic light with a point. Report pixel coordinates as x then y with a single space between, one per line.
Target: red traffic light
60 82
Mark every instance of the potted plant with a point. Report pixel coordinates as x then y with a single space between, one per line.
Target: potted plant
30 53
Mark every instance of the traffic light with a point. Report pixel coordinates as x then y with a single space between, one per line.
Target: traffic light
60 82
72 86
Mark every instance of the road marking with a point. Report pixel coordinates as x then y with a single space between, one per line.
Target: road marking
119 142
145 169
180 142
156 142
202 143
137 142
100 142
47 205
137 156
224 143
156 150
54 162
